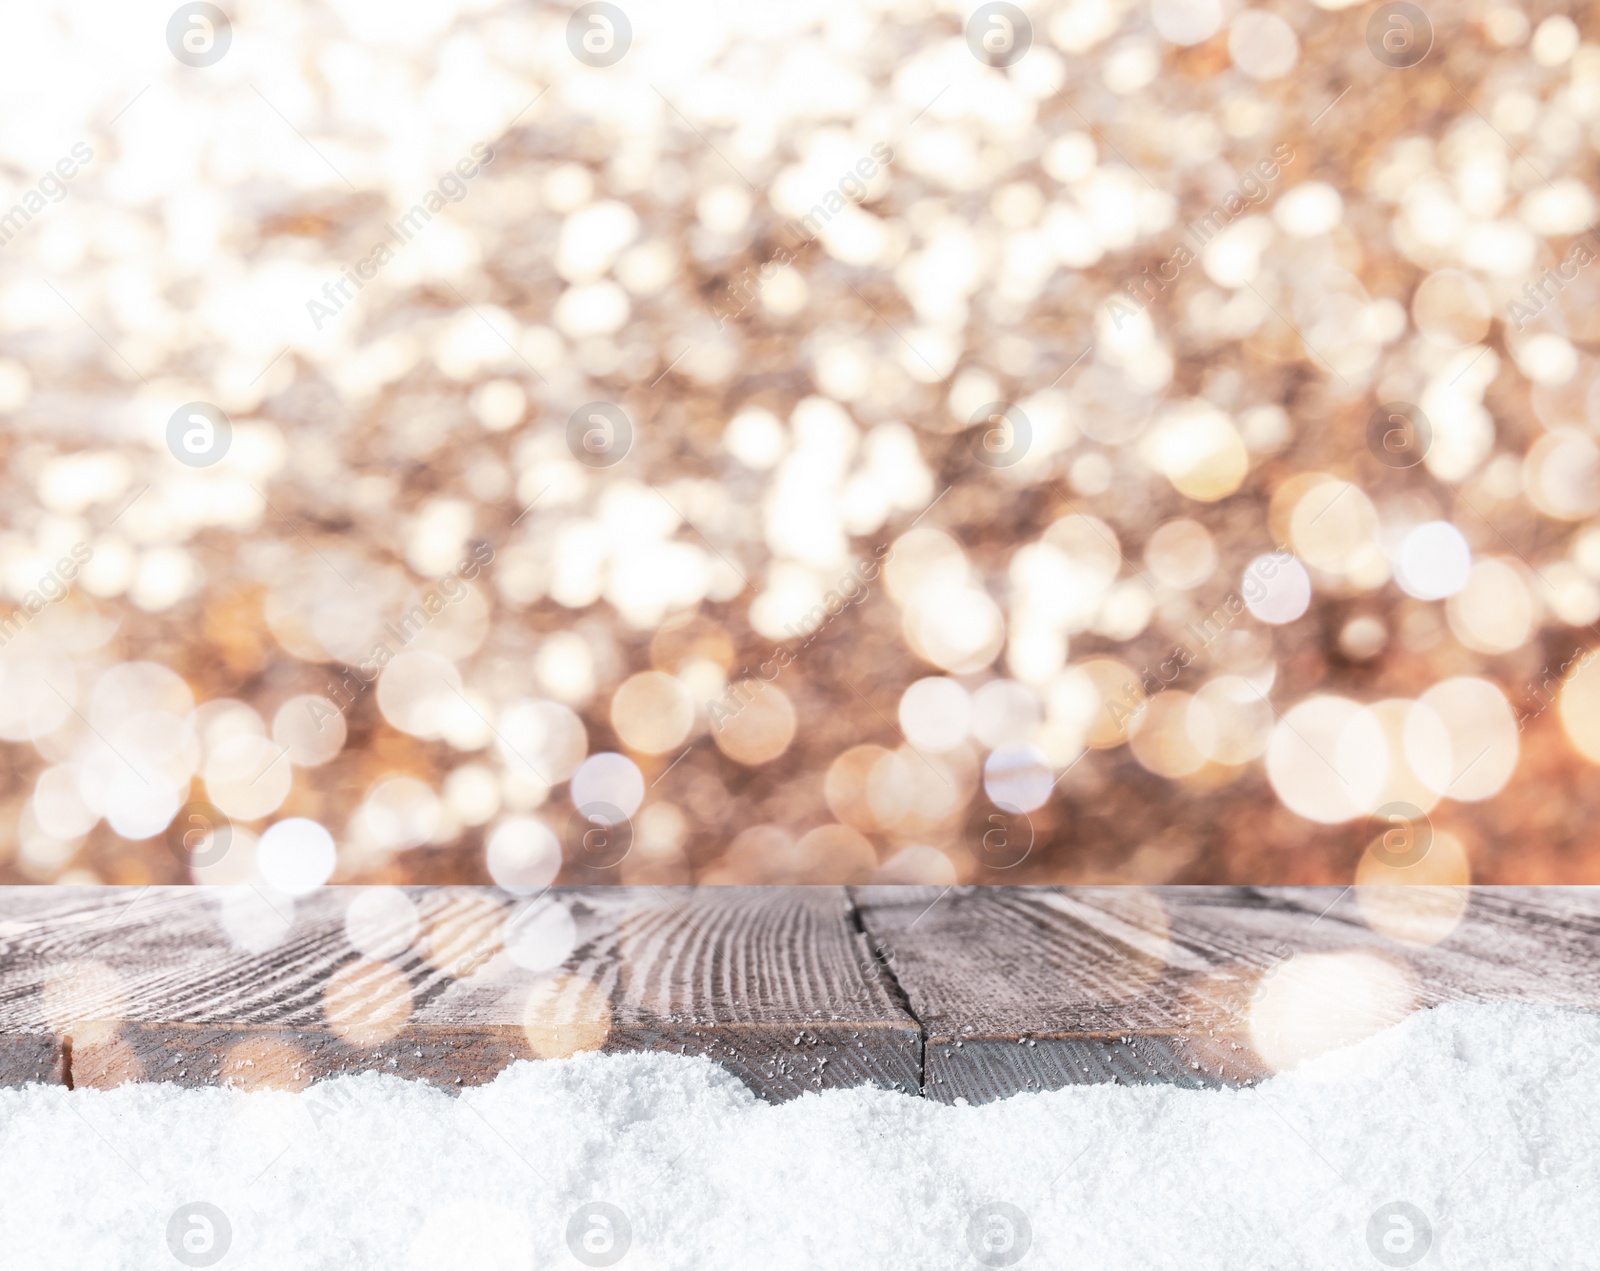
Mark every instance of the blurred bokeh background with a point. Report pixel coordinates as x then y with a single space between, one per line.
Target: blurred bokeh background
799 443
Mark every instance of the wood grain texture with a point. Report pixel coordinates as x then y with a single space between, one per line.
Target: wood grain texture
110 985
1035 988
970 993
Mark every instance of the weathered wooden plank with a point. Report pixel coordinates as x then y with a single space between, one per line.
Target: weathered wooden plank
107 985
1035 988
792 988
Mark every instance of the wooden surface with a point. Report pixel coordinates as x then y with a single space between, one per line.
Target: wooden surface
1035 988
969 993
104 985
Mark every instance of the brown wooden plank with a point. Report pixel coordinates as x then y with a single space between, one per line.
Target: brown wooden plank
1035 988
1014 988
126 984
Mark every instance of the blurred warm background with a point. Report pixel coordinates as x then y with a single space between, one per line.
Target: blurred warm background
1162 449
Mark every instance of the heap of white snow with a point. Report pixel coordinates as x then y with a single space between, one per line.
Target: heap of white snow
1465 1137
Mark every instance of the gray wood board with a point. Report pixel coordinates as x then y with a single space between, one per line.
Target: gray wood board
970 993
1036 988
99 986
